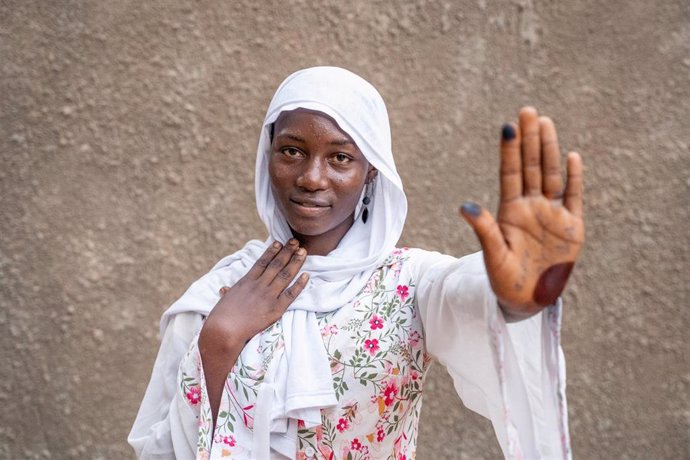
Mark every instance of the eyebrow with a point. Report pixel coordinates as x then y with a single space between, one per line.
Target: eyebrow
342 142
297 138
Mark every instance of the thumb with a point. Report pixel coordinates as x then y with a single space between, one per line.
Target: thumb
487 230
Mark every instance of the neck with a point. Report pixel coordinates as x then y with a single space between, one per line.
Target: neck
321 245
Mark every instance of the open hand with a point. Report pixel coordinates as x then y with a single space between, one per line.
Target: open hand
530 249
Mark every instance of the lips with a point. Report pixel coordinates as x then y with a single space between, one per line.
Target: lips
310 203
309 207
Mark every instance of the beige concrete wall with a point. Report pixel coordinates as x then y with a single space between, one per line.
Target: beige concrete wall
127 138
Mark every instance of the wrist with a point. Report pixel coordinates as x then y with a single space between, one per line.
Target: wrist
217 341
514 313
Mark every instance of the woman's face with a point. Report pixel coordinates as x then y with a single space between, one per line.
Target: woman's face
317 176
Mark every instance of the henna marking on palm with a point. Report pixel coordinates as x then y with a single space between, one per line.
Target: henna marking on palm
551 283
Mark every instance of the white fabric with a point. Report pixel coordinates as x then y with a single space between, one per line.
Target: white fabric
513 373
302 383
165 427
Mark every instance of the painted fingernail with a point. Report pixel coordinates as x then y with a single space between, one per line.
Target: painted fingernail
508 132
276 245
473 209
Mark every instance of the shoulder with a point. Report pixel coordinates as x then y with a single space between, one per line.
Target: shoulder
411 263
184 325
416 257
420 262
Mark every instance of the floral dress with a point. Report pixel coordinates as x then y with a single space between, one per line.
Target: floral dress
378 361
417 305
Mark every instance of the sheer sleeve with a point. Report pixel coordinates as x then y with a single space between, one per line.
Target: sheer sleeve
166 426
511 373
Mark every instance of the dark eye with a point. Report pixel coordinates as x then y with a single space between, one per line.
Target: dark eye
341 158
291 152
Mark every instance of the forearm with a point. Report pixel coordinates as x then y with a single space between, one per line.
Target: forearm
218 355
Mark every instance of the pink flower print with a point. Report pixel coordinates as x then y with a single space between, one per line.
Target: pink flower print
372 346
376 322
355 444
229 440
331 329
345 452
402 292
326 452
402 457
343 425
194 395
371 284
390 393
380 435
336 366
414 339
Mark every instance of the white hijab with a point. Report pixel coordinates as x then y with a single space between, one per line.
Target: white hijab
298 383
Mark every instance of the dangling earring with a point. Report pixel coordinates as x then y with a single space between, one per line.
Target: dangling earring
366 200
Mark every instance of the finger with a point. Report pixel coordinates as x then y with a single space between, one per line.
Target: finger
531 151
291 293
285 276
279 261
552 183
262 263
511 168
573 188
489 233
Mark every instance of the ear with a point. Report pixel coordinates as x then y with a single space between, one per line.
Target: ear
371 174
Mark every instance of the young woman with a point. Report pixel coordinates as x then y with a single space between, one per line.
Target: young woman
316 342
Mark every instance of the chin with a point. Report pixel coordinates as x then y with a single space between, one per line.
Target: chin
307 229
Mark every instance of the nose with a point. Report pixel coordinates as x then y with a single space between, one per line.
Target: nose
314 175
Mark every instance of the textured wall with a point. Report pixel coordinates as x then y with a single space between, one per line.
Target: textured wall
127 139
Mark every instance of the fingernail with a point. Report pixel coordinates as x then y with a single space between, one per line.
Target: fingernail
473 209
276 245
292 242
301 251
508 132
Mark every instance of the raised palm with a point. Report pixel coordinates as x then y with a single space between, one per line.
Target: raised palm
530 249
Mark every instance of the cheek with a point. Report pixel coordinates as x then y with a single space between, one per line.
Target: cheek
350 189
277 178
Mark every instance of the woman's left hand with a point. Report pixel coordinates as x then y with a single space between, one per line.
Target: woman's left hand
530 249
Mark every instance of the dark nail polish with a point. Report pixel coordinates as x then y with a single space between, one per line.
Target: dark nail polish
508 132
473 209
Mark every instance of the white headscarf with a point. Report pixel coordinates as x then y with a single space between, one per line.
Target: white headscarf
298 382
